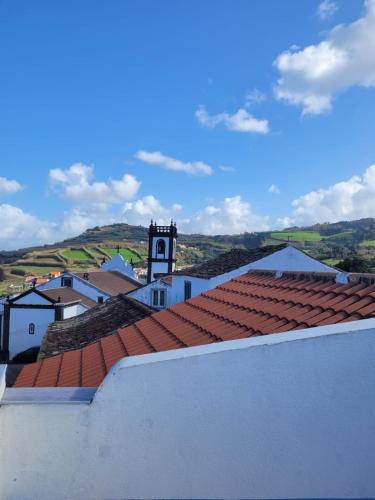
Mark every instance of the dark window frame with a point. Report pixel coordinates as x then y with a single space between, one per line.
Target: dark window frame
67 281
158 297
31 328
187 290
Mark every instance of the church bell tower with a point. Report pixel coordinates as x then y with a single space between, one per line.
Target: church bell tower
161 250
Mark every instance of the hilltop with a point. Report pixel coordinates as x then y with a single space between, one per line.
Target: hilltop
328 242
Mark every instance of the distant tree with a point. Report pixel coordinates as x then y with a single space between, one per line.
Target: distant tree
2 274
355 264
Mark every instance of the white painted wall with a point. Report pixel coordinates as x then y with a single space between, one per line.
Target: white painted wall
144 294
292 259
19 337
20 318
158 267
119 264
80 285
287 259
74 310
33 299
284 416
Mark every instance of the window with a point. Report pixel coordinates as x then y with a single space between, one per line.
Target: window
100 299
187 290
65 281
31 328
160 247
158 298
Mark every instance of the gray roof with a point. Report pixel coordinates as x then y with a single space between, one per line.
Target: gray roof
92 325
228 261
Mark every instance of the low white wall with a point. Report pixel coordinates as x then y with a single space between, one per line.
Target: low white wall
283 416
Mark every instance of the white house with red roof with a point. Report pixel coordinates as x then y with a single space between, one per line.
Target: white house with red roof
181 285
25 318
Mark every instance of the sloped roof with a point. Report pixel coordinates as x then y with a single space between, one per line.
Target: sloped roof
98 322
111 282
228 261
66 294
253 304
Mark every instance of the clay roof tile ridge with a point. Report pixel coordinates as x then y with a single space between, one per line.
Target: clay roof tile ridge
167 331
141 334
199 327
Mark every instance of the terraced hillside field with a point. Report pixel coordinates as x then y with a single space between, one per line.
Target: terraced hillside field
43 262
330 243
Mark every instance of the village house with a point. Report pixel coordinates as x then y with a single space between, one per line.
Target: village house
166 287
191 401
24 318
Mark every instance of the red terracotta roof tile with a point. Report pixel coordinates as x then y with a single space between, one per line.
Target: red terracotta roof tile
252 304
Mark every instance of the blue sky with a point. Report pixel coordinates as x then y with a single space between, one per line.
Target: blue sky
225 115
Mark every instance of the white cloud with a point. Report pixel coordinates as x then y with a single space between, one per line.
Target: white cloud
230 216
143 210
224 168
21 229
9 186
168 163
233 215
284 222
346 200
274 189
254 96
326 9
76 184
312 76
241 121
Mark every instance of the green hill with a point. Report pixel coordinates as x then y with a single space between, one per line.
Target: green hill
328 242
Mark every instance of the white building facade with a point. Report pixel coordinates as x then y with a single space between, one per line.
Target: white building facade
180 287
26 318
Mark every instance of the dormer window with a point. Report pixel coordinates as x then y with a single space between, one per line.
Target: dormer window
66 281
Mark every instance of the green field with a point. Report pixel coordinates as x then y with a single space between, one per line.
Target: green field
331 262
126 253
95 253
38 270
339 236
368 243
297 235
75 254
